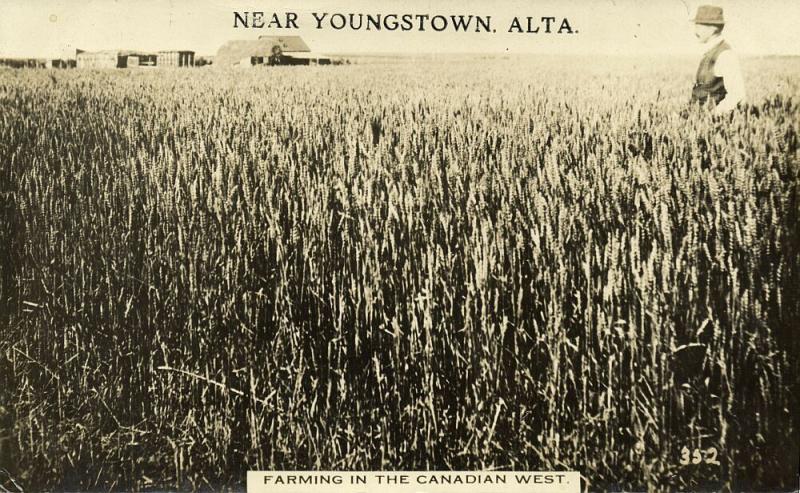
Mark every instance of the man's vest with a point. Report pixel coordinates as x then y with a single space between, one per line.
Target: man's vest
707 85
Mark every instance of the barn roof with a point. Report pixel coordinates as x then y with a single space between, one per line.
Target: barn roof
288 43
233 51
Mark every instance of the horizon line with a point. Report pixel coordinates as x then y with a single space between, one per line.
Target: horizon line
430 54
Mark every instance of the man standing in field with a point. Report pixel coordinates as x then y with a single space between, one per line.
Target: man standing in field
719 78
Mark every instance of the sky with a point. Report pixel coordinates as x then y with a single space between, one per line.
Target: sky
55 28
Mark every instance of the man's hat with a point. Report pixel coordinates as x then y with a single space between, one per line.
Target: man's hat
709 14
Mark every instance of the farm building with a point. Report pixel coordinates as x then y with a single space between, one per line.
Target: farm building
115 59
142 60
129 58
101 59
267 50
176 58
97 59
36 63
23 62
308 59
59 63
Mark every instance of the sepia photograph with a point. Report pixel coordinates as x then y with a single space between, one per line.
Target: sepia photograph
345 246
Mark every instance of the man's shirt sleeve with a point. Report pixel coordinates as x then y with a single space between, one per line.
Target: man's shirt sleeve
727 67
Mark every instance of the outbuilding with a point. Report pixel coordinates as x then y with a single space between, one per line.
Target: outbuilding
176 58
266 50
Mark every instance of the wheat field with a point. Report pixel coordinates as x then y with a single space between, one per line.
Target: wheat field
493 264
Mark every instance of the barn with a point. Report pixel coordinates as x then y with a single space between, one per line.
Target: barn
267 50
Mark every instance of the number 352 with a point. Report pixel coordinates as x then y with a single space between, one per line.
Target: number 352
697 456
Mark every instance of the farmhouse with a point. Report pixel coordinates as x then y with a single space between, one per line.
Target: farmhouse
268 50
